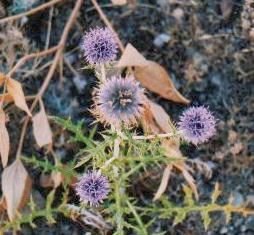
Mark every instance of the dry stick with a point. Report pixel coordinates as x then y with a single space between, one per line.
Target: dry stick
149 137
22 61
31 56
106 21
31 12
50 74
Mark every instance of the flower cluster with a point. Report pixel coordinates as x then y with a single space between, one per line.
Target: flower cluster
99 46
197 124
119 101
92 188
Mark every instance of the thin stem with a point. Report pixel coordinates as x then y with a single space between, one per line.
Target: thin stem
50 74
164 135
31 12
119 213
137 217
103 73
106 21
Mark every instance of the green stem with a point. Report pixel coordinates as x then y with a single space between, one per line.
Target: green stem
138 219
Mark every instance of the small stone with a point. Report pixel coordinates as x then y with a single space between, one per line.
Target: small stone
237 199
161 39
79 83
243 228
223 230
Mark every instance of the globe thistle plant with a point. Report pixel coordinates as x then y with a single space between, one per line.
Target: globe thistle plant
99 46
197 125
119 101
93 188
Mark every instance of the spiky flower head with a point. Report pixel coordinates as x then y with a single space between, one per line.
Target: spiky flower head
119 101
93 188
99 45
197 124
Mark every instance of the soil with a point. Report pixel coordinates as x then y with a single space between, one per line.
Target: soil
210 62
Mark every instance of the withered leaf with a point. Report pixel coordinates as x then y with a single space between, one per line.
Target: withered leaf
53 180
161 117
119 2
14 88
184 169
7 98
156 79
41 128
131 57
2 77
226 7
4 139
164 182
16 187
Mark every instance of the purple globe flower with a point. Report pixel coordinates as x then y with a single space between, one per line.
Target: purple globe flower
119 101
92 188
99 45
197 124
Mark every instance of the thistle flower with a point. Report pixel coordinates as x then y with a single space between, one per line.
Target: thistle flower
197 124
99 45
92 188
119 101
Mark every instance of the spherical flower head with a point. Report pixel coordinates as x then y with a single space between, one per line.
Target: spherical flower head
197 125
99 46
119 101
93 188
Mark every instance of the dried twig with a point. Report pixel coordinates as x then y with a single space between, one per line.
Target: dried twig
31 56
106 21
31 12
50 74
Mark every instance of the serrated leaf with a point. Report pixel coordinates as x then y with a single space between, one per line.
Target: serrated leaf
216 193
206 219
16 187
179 218
14 88
4 139
188 199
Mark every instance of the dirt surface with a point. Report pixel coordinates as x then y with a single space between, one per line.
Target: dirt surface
210 62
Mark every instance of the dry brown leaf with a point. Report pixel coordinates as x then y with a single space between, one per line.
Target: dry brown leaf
14 88
164 182
41 128
7 98
156 79
148 121
226 7
4 139
2 77
183 168
131 57
161 117
2 205
119 2
16 187
53 180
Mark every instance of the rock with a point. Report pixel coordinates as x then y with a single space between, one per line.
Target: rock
237 199
250 224
79 83
223 230
161 39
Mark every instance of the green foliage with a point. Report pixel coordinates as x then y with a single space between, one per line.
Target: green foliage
125 212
